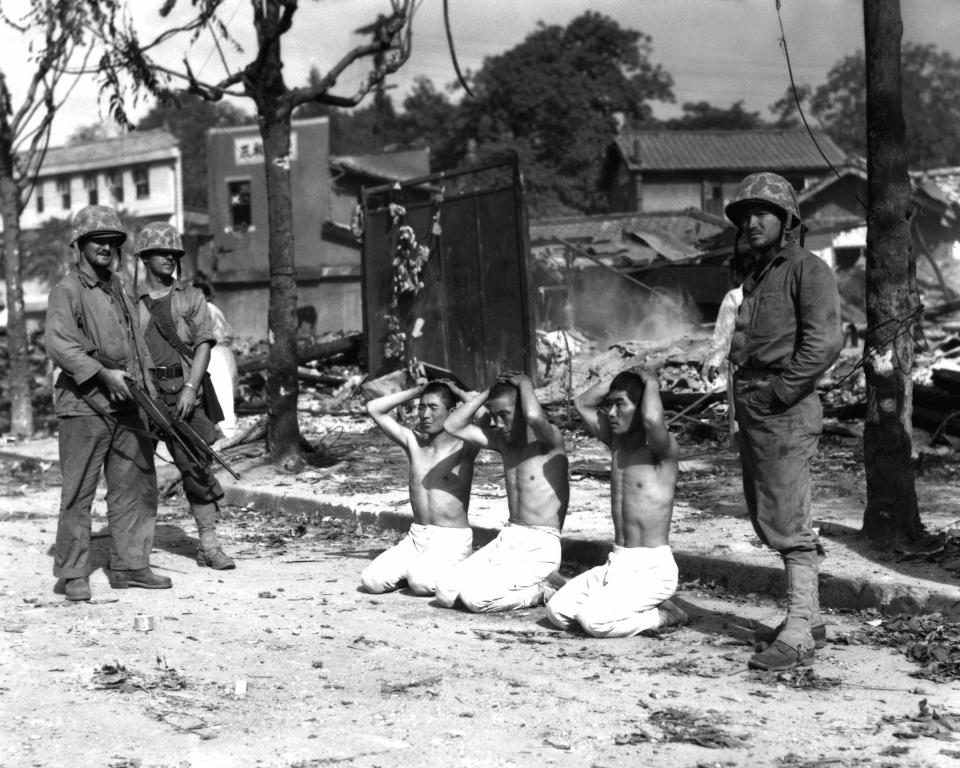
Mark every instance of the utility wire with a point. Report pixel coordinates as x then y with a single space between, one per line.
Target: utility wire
796 98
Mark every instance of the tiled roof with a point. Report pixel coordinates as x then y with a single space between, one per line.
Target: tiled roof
746 151
387 165
133 147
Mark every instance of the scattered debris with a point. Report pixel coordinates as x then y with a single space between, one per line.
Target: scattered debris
930 640
929 721
945 553
633 738
801 678
427 684
110 676
894 750
686 725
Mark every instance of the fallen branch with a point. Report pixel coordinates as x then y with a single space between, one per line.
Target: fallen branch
308 353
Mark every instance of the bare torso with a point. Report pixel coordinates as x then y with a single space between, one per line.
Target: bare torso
538 488
641 495
441 473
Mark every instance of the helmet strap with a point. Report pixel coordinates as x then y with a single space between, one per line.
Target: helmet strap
785 229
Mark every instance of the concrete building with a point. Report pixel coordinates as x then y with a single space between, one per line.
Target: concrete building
325 195
139 173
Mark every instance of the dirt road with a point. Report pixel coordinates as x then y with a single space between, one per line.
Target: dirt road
283 662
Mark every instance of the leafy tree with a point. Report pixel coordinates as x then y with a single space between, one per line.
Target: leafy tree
260 79
425 122
58 44
784 109
553 100
188 117
931 105
94 132
353 131
702 115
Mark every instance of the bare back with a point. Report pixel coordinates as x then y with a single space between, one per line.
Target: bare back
441 473
642 486
538 488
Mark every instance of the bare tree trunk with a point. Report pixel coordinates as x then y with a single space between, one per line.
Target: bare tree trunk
283 385
891 513
21 409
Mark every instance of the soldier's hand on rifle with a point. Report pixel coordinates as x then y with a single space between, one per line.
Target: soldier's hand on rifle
115 382
187 401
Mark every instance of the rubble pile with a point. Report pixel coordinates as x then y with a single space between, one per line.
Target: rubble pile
329 373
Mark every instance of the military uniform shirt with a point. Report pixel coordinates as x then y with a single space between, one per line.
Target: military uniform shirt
789 322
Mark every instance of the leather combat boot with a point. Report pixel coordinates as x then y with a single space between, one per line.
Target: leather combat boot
818 627
210 554
141 577
794 645
74 589
765 637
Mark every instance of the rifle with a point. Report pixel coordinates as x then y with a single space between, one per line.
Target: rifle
169 426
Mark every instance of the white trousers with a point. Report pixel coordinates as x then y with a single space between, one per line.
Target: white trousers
419 558
223 376
506 574
620 598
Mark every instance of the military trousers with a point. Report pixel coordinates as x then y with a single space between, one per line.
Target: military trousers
87 445
200 485
777 443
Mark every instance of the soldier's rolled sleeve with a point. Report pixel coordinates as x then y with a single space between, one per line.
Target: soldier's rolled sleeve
819 330
65 344
200 320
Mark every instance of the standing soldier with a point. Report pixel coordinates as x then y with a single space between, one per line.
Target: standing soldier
179 334
787 334
89 313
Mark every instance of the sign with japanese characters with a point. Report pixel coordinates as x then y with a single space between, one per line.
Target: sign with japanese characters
248 150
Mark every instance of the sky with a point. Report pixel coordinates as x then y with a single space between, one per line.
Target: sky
719 51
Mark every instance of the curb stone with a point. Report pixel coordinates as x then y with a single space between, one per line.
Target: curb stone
735 575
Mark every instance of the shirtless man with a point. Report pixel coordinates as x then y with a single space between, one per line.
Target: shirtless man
441 472
630 593
512 571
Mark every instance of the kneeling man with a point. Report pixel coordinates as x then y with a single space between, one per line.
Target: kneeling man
517 569
441 473
630 593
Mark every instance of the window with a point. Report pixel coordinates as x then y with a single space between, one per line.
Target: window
90 184
39 196
141 180
63 189
714 199
240 210
115 183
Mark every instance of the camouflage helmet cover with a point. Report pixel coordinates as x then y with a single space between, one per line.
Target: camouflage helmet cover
97 220
766 189
158 236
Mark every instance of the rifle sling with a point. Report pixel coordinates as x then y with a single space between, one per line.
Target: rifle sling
167 328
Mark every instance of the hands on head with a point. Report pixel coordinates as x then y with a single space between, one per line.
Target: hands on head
648 376
513 377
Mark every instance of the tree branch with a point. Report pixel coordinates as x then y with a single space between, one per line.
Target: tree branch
394 35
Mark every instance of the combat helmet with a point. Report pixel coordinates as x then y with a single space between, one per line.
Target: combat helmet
158 236
97 220
767 189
